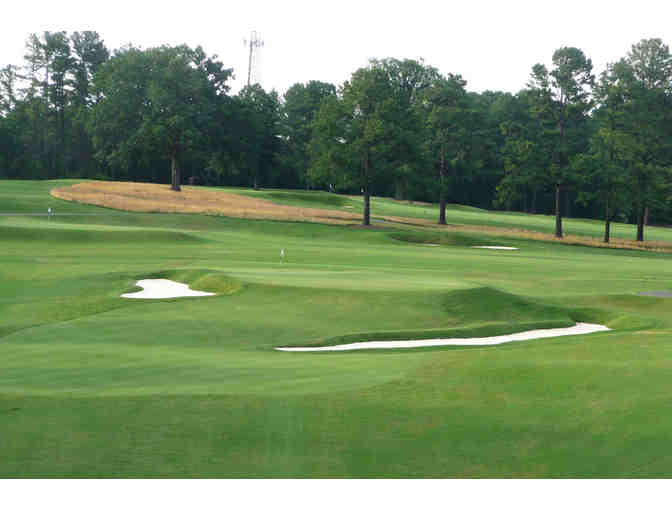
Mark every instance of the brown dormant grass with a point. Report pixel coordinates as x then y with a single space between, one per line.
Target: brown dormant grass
144 197
595 242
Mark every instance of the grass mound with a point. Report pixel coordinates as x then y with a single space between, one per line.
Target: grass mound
485 304
200 279
314 198
89 235
480 312
441 238
424 334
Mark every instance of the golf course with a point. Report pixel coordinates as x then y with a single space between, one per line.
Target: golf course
96 385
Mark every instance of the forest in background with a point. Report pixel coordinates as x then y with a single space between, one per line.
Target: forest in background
568 143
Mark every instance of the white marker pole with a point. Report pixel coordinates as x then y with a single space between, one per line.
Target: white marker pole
49 213
282 255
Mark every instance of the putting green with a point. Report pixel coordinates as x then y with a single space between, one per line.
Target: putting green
92 384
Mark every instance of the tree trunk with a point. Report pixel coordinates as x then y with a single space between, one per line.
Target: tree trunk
45 126
367 194
174 174
442 189
606 222
367 207
646 216
558 217
442 208
533 208
398 190
640 226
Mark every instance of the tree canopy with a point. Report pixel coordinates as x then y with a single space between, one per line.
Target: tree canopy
163 102
396 127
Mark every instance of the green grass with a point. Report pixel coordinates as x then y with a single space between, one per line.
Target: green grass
459 215
93 385
33 197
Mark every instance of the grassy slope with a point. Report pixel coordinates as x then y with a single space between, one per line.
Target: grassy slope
93 385
456 214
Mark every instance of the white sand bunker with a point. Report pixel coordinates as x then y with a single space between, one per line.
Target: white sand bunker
496 247
581 328
163 289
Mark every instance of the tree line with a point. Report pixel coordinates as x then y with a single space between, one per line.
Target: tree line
568 143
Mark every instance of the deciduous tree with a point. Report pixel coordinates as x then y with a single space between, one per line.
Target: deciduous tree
161 101
355 134
301 104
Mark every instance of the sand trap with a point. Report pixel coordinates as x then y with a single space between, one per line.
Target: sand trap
162 289
496 247
581 328
657 293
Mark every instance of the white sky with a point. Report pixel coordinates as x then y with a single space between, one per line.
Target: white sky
493 44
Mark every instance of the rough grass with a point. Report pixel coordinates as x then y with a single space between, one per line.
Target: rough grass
157 198
575 240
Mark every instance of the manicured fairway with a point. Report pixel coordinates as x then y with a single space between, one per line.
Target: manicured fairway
92 384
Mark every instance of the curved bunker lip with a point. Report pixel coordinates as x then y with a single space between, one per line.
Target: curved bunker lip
496 247
580 328
161 288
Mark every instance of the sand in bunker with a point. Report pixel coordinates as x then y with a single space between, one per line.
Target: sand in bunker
496 247
163 289
580 328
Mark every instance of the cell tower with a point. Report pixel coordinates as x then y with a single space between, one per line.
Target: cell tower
254 44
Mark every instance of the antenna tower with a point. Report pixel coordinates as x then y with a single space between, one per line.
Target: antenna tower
254 43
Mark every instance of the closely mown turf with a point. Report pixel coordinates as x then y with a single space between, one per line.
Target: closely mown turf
93 385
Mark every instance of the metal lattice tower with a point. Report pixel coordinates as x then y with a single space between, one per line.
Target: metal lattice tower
254 44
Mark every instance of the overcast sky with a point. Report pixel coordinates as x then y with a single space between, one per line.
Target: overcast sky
492 44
